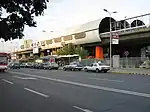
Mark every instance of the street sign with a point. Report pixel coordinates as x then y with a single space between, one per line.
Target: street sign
115 38
115 41
126 53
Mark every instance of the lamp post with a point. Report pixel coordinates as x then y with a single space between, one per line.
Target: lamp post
110 51
2 45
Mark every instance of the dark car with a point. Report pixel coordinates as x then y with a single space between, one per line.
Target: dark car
39 66
14 66
23 65
73 67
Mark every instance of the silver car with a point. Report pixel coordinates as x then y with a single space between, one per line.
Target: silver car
51 65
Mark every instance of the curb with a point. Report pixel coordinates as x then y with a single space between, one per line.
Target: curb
130 73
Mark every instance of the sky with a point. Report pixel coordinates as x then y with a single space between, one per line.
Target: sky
63 14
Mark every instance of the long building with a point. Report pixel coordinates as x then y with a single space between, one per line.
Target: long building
90 35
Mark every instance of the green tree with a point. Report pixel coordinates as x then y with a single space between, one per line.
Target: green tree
68 49
81 52
19 13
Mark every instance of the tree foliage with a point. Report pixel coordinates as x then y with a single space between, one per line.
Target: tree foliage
70 49
19 13
81 52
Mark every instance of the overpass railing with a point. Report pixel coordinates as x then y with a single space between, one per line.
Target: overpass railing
135 24
143 28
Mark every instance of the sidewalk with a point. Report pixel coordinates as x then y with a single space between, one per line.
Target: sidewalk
139 71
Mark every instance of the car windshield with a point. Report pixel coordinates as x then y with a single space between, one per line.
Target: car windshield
101 64
3 60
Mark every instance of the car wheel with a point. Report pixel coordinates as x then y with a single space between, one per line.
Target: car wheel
64 69
97 70
85 69
105 71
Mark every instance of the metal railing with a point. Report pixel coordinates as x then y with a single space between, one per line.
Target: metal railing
125 62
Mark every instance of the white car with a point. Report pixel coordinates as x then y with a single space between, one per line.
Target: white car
97 67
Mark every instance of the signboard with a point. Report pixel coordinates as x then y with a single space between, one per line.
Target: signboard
115 38
126 53
115 41
35 50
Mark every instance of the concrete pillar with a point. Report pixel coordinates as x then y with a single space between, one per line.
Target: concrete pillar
99 52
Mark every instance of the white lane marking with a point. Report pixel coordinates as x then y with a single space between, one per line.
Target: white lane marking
84 110
38 93
7 81
67 75
25 78
120 81
91 86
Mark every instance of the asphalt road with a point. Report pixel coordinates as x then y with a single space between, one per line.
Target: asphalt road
31 90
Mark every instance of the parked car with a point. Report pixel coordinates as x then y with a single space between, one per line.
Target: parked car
40 66
97 67
29 65
73 67
23 65
51 65
14 66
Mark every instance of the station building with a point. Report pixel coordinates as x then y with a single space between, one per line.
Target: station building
89 36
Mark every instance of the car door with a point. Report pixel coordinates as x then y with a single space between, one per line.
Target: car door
94 67
90 67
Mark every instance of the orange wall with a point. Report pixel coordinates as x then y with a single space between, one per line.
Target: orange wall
99 52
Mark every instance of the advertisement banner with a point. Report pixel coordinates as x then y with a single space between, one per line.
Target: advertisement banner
35 50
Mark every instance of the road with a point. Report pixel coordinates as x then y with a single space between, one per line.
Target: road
31 90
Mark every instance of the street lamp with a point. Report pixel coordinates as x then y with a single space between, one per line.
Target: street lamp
2 45
110 51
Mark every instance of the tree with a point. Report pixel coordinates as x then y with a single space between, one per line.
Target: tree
19 14
68 49
81 52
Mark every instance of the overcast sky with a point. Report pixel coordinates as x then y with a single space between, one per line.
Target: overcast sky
62 14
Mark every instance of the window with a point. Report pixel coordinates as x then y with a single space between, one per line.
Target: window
90 64
43 43
67 38
95 64
48 42
3 59
56 40
101 64
80 35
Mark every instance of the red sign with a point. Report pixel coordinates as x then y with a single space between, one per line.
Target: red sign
115 35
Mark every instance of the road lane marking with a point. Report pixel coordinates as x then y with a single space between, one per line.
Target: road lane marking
90 86
119 81
38 93
24 78
84 110
7 81
67 75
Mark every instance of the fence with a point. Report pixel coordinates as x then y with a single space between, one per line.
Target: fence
129 62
